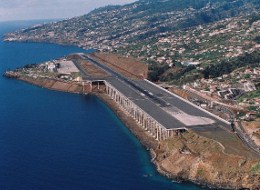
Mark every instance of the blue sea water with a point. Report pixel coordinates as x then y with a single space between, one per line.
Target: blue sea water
58 141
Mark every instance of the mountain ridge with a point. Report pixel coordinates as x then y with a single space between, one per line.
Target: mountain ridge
194 13
136 25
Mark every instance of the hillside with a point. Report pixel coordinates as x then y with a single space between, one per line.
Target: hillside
211 46
162 33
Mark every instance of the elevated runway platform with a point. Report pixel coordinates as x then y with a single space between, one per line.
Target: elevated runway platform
178 114
154 106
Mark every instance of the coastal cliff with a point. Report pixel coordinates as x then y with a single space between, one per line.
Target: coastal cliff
187 156
192 157
204 161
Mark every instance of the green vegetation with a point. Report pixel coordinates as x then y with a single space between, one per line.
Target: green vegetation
200 172
250 95
164 33
226 67
75 75
257 39
256 169
253 108
178 75
186 74
156 72
254 18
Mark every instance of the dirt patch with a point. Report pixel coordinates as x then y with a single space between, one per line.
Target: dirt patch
188 156
230 141
48 83
179 92
199 159
93 70
63 86
75 88
253 129
129 67
194 157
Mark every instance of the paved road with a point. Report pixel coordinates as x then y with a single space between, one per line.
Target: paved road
156 102
238 127
160 104
84 74
240 131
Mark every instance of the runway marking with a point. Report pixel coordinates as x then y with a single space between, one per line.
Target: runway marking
187 119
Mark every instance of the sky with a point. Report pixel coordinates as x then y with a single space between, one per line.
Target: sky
49 9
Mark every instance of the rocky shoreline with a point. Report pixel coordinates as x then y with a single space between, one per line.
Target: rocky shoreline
183 158
51 84
158 151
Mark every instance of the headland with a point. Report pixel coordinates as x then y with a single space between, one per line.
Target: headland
186 143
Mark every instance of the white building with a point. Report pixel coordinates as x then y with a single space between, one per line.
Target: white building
51 66
249 86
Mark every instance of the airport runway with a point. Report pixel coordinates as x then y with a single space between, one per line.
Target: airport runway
168 109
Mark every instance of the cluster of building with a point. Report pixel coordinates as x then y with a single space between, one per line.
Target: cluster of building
233 89
60 69
205 44
113 30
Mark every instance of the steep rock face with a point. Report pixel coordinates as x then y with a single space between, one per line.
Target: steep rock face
114 26
204 161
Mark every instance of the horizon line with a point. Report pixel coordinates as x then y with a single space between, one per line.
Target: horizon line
37 19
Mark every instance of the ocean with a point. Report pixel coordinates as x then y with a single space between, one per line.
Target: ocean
58 141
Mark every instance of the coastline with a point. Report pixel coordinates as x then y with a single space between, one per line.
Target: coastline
51 84
156 150
157 154
143 137
160 153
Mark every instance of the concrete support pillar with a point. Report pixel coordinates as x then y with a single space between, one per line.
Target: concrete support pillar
151 127
143 119
148 124
107 89
162 137
157 133
154 129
